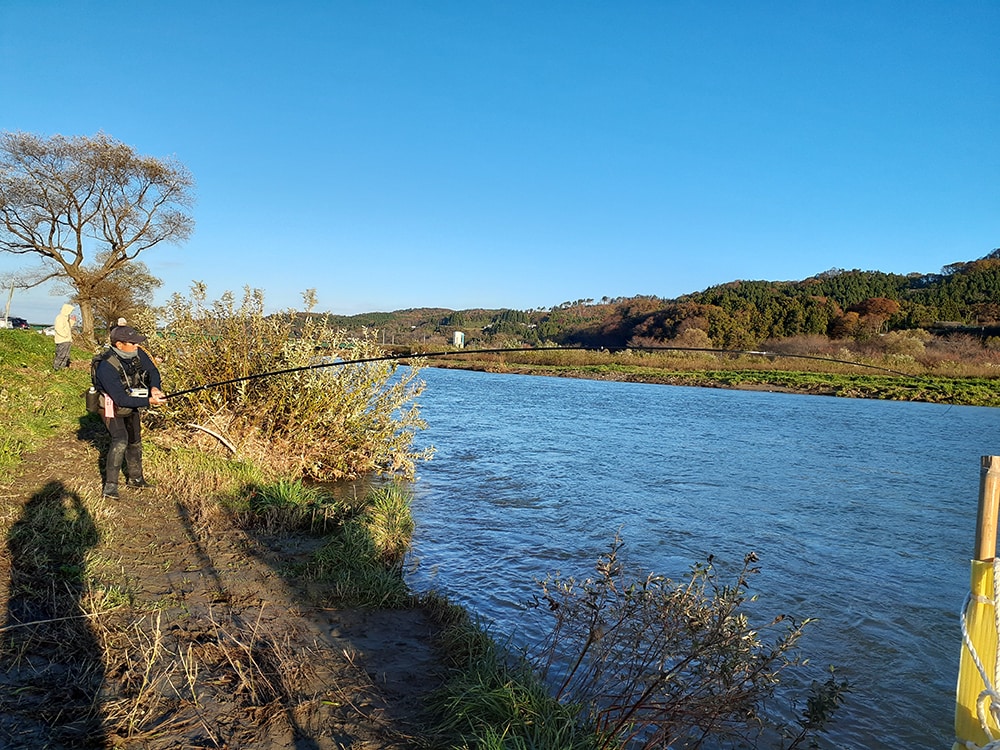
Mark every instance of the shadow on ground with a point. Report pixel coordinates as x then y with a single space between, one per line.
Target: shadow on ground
51 670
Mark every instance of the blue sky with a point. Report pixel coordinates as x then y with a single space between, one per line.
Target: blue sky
522 154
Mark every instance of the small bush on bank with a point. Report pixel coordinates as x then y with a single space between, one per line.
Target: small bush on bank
636 662
659 663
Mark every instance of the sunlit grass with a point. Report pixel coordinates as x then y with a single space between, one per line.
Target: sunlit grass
285 505
492 699
35 401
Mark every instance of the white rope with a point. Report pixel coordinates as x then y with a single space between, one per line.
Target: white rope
990 692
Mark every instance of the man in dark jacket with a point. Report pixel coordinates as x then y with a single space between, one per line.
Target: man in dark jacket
128 381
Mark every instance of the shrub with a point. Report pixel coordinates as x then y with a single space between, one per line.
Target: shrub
317 421
658 663
805 344
905 343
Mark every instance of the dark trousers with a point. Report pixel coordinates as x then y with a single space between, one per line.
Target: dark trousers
126 445
61 359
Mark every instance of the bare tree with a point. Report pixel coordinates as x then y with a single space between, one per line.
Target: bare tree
87 205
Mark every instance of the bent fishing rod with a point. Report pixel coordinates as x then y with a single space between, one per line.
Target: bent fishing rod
451 352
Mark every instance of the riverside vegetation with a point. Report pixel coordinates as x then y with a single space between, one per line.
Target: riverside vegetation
225 607
850 376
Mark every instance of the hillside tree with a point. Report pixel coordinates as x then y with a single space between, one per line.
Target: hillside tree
86 206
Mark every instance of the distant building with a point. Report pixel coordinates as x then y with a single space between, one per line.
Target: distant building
458 339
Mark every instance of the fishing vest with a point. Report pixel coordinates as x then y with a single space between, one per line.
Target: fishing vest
131 371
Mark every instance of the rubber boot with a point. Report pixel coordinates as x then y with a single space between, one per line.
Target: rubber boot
113 468
133 461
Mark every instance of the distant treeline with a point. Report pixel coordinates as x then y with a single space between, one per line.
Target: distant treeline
839 304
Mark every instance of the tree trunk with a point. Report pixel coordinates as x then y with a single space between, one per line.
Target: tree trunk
87 320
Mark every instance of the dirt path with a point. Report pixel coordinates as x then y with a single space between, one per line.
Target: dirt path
195 637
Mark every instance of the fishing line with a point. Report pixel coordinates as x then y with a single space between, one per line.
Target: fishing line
450 352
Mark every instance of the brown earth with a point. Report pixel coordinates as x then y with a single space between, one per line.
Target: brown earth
196 636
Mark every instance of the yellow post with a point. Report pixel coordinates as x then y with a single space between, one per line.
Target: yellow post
980 619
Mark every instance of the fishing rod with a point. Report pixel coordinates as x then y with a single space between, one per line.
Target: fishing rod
365 360
502 350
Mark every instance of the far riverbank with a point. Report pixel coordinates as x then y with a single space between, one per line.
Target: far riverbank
966 391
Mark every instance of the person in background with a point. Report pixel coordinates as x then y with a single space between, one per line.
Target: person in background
119 322
129 381
63 338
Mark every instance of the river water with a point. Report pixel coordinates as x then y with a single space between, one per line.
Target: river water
862 514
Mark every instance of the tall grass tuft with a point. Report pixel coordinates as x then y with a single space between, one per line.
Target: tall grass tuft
351 564
363 556
389 522
493 699
286 505
493 704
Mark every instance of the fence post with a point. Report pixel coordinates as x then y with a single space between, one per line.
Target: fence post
989 503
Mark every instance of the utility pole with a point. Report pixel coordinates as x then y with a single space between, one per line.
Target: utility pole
10 296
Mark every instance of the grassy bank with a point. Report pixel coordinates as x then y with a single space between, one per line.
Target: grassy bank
36 402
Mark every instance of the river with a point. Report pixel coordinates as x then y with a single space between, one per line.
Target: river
862 514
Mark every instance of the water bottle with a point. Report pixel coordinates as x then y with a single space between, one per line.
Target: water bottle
93 399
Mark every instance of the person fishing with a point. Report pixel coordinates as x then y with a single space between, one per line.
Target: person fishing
128 380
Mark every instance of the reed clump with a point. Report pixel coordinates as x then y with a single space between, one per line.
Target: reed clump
322 420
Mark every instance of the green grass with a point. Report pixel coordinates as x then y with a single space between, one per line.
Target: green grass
492 699
284 505
364 542
36 402
363 557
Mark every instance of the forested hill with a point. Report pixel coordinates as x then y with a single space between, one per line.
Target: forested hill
739 314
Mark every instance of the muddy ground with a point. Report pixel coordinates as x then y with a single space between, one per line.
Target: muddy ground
154 623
